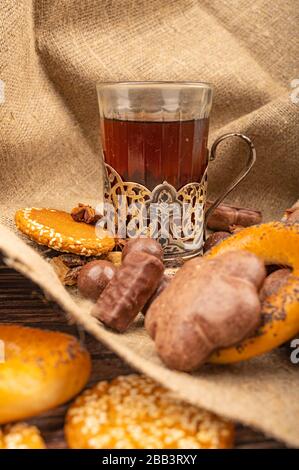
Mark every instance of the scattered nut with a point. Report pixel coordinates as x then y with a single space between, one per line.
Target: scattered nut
71 260
67 275
71 277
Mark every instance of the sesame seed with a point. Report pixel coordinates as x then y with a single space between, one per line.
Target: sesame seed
135 412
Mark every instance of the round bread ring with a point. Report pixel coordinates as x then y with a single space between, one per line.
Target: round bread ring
275 243
21 436
134 412
57 230
41 370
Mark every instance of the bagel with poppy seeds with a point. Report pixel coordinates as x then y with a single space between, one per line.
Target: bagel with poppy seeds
41 370
275 243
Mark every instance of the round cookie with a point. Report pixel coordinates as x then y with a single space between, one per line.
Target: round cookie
21 436
57 230
134 412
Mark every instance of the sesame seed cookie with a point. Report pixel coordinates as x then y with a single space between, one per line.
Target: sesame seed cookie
21 436
57 230
134 412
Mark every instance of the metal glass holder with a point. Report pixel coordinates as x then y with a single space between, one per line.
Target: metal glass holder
155 213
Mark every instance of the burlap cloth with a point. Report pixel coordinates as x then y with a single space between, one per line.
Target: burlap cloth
53 52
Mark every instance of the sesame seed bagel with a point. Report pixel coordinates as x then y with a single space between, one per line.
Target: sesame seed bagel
57 230
41 369
21 436
134 412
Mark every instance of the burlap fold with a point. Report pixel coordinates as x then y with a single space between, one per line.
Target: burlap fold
261 393
53 52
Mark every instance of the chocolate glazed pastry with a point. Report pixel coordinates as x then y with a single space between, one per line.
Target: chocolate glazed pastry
210 303
273 282
129 290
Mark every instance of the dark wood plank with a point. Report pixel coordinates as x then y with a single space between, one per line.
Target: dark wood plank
22 302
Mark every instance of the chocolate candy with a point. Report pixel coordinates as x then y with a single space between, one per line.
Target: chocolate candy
214 239
94 277
274 282
163 283
144 245
131 287
209 304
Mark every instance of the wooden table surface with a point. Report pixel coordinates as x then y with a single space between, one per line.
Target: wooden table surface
22 302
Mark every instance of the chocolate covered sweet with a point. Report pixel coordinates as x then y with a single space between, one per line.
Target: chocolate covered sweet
94 277
128 291
214 239
274 282
144 245
210 303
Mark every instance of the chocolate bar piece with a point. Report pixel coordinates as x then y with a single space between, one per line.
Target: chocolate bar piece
129 290
144 245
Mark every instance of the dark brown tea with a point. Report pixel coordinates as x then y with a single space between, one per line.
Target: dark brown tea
149 153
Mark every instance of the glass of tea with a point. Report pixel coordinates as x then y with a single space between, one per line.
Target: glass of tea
154 138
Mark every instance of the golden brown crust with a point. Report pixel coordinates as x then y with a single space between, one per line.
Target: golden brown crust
275 243
21 436
42 369
134 412
57 230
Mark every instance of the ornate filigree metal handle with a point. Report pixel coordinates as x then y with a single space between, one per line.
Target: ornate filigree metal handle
244 172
